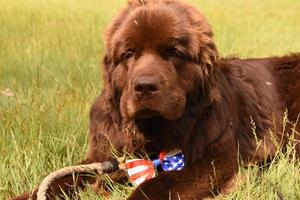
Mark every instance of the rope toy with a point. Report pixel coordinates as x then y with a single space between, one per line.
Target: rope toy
139 170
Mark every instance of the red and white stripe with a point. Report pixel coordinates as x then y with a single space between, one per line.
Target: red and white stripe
140 170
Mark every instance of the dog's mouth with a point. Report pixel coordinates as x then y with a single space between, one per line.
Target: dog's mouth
146 113
149 126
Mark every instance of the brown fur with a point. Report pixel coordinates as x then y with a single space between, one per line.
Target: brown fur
166 88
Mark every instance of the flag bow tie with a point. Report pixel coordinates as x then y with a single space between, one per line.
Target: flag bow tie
140 170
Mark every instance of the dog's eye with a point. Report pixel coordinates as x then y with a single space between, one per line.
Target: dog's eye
173 52
128 54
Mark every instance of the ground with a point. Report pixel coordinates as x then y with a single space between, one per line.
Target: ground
50 58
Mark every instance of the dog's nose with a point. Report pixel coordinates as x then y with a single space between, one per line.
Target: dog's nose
146 85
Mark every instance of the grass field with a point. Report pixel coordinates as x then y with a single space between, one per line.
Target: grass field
50 55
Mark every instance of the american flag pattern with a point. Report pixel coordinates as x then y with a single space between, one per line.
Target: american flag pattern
140 170
174 161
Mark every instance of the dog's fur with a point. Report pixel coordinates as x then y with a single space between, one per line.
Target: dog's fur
165 87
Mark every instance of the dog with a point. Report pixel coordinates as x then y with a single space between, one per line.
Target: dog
166 88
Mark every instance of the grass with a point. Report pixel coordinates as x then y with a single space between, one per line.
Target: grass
50 56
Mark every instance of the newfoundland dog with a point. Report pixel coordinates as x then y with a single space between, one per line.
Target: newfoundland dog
166 88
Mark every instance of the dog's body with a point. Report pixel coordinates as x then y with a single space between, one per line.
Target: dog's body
166 88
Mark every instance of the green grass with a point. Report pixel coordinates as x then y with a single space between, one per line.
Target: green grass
50 57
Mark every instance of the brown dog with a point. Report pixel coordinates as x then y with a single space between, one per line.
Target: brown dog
166 88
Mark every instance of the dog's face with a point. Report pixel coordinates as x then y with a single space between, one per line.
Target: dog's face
158 54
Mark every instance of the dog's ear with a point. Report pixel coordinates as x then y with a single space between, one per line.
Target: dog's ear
208 54
205 54
110 92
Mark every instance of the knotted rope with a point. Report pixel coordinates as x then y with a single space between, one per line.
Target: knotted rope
99 168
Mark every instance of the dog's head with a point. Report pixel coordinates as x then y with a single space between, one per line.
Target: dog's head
159 58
